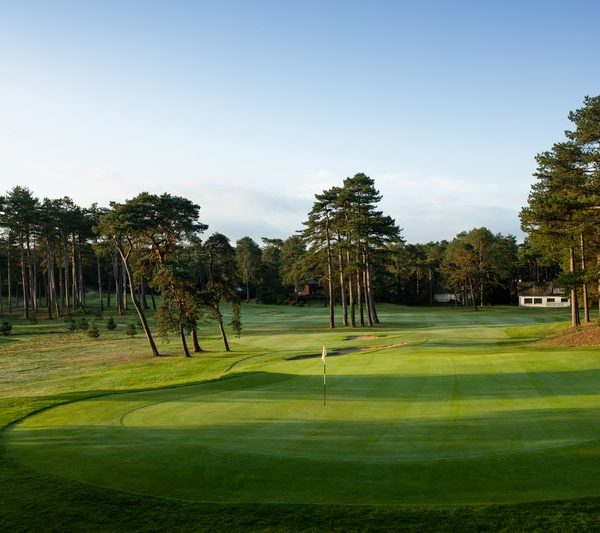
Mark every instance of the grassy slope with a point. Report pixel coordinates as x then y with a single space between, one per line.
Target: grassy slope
37 371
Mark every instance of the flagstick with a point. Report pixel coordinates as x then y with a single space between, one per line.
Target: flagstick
324 384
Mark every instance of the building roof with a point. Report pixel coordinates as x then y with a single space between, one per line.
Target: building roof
539 289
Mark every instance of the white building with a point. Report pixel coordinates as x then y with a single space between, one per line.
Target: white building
542 295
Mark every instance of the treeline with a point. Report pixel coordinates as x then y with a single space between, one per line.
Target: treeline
562 217
148 253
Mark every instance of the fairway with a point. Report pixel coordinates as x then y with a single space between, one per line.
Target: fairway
436 406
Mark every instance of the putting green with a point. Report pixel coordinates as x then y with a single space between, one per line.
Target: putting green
463 414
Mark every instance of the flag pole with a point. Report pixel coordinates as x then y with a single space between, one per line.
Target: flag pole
323 356
324 384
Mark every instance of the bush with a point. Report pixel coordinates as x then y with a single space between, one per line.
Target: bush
83 324
131 330
5 327
92 331
71 324
111 325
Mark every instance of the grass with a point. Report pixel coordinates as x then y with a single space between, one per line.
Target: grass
444 419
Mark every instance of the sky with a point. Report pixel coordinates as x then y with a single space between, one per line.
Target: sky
249 108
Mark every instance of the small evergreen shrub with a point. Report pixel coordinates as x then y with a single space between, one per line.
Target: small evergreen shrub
131 330
5 327
83 324
71 324
92 331
111 325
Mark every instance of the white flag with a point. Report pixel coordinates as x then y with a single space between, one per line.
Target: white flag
324 354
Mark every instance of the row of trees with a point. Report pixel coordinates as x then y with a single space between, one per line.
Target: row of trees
562 216
148 243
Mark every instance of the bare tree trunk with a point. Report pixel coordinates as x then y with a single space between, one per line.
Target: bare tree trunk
330 276
30 275
370 289
67 273
472 291
124 258
99 275
367 299
195 343
124 289
143 294
80 278
153 301
359 296
24 279
575 321
584 295
430 276
118 287
342 282
108 289
223 334
183 343
351 293
9 276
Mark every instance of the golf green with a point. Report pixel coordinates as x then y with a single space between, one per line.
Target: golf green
431 411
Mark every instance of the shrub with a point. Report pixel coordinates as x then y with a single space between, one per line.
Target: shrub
71 324
131 330
92 331
83 324
5 327
111 324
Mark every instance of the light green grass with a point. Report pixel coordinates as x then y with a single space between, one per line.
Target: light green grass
465 411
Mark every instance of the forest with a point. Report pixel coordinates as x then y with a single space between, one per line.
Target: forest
152 252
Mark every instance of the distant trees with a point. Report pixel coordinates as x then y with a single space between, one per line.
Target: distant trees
477 261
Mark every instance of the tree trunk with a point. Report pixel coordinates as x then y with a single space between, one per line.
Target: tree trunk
124 288
351 294
118 290
472 291
143 294
24 278
183 343
575 321
359 296
9 276
584 294
124 257
370 290
367 300
195 343
108 289
99 275
30 275
223 335
67 274
330 275
247 290
342 282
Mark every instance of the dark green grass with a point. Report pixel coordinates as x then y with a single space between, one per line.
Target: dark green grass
32 499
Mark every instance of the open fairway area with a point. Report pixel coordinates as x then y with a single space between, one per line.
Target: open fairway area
436 406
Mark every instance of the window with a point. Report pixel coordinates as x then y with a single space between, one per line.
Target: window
528 300
537 300
549 300
564 300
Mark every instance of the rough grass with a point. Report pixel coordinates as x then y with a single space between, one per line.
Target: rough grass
495 371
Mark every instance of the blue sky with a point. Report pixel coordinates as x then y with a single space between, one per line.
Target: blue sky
250 108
